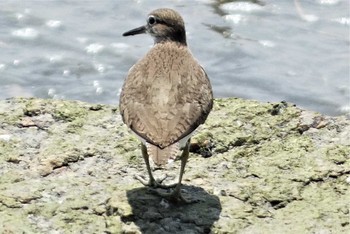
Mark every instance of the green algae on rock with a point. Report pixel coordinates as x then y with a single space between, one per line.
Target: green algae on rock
68 166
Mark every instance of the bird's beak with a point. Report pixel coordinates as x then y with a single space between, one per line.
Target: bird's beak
135 31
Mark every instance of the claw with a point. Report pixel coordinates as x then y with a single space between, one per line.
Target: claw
150 183
174 197
160 180
154 183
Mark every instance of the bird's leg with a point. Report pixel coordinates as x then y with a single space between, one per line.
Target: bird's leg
145 156
151 182
176 195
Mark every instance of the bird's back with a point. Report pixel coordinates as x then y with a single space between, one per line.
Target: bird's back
166 95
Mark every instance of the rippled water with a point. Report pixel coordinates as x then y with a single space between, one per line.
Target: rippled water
273 50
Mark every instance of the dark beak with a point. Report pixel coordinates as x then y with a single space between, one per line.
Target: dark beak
135 31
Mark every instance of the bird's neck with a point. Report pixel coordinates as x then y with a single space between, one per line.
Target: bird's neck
163 41
179 38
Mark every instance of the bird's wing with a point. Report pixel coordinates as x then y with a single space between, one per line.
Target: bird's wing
164 106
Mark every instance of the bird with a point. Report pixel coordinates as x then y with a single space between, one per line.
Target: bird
166 95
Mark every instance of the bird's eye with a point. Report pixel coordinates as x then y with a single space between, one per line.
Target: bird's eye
152 20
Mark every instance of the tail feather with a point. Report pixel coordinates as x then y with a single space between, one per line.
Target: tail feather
162 156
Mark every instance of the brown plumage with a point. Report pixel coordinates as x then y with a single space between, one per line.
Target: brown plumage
166 94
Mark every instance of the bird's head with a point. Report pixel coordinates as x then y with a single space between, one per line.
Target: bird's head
163 25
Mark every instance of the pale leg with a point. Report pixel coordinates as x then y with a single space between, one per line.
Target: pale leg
151 182
176 195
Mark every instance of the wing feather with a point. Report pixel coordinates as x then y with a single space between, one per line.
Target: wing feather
165 98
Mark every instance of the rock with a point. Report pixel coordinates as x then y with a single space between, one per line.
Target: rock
69 167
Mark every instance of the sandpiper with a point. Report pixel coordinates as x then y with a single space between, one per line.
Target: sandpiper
165 96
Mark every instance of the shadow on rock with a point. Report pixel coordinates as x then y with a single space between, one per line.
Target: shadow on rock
153 214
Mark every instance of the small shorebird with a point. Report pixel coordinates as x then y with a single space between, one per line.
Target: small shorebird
165 96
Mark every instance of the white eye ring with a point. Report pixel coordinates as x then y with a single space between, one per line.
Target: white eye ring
152 20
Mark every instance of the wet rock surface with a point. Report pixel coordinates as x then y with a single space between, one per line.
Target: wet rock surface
69 167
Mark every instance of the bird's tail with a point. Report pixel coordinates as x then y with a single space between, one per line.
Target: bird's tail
162 156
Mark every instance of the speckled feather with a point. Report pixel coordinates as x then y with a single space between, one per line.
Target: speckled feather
166 96
163 103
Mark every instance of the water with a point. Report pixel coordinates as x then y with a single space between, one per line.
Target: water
273 50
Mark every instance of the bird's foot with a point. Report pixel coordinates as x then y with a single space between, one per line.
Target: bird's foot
174 197
154 183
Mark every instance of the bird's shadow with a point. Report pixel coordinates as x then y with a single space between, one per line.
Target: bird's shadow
153 214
